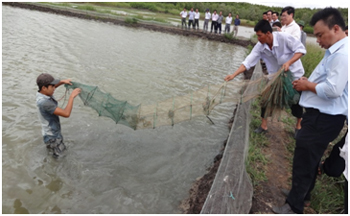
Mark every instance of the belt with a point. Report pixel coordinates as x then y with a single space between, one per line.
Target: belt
312 110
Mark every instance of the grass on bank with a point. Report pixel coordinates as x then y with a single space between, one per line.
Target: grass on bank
328 195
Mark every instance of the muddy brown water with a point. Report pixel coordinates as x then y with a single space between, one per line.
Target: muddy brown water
108 168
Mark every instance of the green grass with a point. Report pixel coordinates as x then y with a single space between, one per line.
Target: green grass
314 55
256 161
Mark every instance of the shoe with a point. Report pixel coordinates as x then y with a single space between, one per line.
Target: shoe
260 130
296 133
285 192
285 209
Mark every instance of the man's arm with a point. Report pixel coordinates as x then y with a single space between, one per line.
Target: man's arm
240 70
295 58
68 110
66 81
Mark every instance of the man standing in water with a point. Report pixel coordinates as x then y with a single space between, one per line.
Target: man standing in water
49 112
278 50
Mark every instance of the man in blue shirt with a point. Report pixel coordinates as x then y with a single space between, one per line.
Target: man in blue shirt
236 23
325 99
49 112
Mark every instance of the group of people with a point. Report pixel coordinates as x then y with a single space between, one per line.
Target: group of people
324 96
215 18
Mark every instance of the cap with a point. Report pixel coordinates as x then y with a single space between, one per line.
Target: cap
207 9
301 22
45 79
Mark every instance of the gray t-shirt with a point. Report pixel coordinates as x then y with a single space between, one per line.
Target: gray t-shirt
50 123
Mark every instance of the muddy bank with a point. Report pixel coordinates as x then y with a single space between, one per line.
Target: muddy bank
172 30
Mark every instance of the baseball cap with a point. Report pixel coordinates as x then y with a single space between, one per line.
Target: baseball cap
301 22
207 9
45 79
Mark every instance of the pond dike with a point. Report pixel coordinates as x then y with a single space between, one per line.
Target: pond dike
226 187
118 21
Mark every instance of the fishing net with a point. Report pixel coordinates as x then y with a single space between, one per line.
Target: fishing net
279 95
185 107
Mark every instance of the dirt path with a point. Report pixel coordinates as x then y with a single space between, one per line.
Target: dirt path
278 174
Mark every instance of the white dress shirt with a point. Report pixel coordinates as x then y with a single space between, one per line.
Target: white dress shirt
284 46
183 14
228 20
331 76
196 15
207 15
293 29
215 17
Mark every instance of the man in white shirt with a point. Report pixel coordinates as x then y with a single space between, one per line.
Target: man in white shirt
325 99
196 19
289 25
214 22
276 49
206 20
275 17
269 17
191 18
228 23
183 16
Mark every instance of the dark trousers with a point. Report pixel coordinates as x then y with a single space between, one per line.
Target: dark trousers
196 23
317 130
183 22
219 27
215 25
190 22
334 165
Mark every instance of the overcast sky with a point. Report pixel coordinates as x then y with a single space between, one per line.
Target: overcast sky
302 3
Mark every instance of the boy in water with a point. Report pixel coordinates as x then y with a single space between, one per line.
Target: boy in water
49 112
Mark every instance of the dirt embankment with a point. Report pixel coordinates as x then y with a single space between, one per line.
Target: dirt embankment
172 30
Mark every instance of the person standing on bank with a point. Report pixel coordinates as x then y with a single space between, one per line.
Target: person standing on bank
183 16
276 49
206 20
196 19
214 22
228 23
237 23
221 17
301 23
325 99
49 112
191 18
289 25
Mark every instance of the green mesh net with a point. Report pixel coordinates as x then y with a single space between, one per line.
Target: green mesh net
277 94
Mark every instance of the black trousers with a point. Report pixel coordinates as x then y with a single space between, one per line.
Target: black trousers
190 22
334 165
196 23
317 130
215 25
219 27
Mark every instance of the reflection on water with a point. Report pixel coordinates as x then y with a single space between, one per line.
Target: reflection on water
108 168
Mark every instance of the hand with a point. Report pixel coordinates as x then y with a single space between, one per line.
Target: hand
66 81
300 84
75 92
286 66
229 77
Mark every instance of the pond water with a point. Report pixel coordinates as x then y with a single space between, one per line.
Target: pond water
108 168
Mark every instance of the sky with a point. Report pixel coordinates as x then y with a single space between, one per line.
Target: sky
302 3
